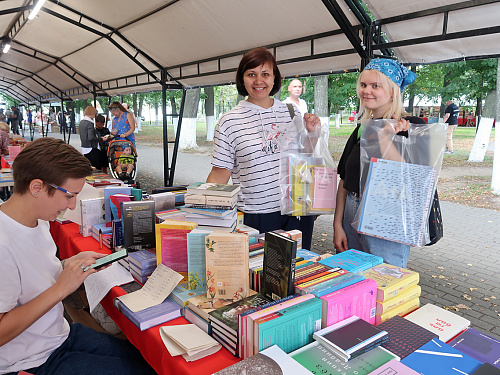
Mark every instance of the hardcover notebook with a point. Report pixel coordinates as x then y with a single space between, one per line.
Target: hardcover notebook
404 336
350 337
478 345
442 322
438 358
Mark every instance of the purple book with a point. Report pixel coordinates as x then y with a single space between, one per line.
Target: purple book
478 345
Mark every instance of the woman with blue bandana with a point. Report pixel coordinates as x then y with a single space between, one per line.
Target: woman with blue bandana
379 90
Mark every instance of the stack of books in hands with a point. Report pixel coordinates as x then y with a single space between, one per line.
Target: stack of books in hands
142 263
189 341
398 291
351 337
212 206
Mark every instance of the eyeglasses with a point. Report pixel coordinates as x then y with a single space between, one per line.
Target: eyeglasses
70 195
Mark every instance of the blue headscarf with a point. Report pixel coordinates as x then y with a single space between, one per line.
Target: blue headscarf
393 69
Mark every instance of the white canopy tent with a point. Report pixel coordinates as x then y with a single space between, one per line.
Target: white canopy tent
76 49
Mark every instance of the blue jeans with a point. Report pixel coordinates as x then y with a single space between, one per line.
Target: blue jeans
393 253
87 352
275 220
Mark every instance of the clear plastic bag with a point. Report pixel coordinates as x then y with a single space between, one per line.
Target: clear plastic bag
308 176
398 179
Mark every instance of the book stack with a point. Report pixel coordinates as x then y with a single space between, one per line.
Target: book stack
142 263
172 214
311 273
101 230
351 337
398 291
224 320
182 293
163 201
152 316
212 206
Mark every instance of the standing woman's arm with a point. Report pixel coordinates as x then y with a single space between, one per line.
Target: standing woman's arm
131 121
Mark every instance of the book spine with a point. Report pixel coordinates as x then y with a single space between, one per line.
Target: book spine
369 347
412 293
384 294
400 310
342 283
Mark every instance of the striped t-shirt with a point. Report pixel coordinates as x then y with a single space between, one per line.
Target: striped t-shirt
247 142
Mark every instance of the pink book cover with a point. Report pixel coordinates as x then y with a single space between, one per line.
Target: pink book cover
394 367
115 206
174 249
358 299
248 320
325 188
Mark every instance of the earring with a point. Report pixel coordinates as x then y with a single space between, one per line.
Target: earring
36 194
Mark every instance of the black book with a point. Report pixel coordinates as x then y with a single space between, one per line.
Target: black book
487 369
279 266
138 225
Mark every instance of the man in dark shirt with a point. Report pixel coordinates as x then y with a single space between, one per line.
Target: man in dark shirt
450 117
72 121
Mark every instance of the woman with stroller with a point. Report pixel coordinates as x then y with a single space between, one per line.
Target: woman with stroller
380 86
123 122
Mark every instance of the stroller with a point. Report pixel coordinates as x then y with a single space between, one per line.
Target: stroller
115 150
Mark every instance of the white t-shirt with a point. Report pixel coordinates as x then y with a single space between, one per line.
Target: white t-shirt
247 141
302 105
29 266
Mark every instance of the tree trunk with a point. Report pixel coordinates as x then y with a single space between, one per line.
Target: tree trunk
156 114
174 107
209 112
321 100
188 131
141 102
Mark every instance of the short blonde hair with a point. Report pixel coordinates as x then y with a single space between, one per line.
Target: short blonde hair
397 101
90 111
4 126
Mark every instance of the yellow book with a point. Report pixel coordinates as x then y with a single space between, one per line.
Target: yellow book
331 275
298 190
391 280
401 310
411 293
171 244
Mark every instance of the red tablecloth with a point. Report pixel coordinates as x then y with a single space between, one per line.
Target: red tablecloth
149 342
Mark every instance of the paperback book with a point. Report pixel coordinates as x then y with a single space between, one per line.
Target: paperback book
320 360
391 280
92 211
197 271
478 345
138 225
279 266
353 261
404 336
152 316
394 367
438 358
351 337
442 322
205 188
226 257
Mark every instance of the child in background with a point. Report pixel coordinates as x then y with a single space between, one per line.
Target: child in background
125 163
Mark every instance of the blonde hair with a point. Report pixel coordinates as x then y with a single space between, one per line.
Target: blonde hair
397 101
90 111
4 126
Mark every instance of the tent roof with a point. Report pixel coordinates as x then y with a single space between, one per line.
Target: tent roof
74 49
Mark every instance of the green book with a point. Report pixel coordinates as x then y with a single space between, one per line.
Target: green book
289 328
317 358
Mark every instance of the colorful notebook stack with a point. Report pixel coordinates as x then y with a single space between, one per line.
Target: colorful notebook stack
398 291
142 264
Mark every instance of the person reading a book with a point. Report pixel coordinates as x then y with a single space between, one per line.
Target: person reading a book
34 335
125 163
379 89
247 146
